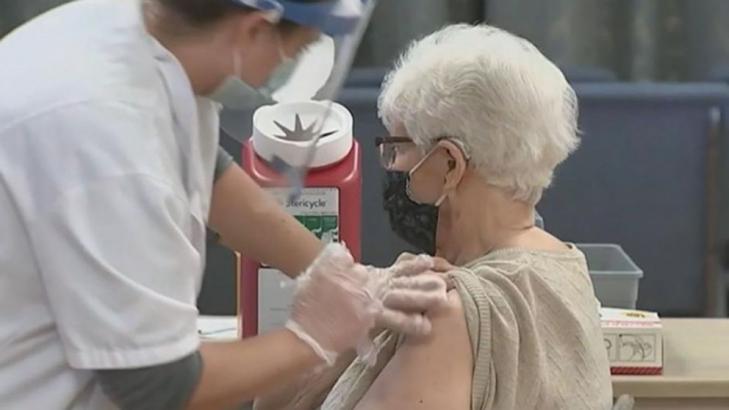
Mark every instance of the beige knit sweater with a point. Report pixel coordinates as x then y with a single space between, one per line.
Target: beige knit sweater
535 334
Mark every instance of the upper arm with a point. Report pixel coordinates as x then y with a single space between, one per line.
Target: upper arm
235 197
240 210
432 373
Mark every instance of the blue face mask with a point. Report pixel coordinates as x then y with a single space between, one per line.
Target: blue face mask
236 94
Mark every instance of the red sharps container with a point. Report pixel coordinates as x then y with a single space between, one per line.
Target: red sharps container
329 204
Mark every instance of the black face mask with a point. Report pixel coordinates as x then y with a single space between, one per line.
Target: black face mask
415 223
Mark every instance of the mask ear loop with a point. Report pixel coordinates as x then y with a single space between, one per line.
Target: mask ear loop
236 64
421 162
285 59
412 171
440 200
444 195
451 166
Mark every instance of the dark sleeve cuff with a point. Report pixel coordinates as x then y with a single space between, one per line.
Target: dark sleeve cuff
222 162
165 387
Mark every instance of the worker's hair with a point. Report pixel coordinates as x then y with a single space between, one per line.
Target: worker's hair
496 93
199 14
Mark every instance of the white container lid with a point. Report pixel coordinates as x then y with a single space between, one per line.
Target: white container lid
285 130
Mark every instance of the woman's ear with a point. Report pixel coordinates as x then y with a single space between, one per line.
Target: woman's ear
457 164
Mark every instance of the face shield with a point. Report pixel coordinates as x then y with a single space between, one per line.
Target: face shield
318 73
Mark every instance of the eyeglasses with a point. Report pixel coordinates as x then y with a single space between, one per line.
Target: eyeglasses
390 147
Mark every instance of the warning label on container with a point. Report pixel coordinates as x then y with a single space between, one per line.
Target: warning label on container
318 210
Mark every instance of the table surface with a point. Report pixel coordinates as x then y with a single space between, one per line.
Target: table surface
695 362
695 358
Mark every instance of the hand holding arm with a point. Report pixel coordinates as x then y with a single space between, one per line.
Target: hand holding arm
402 298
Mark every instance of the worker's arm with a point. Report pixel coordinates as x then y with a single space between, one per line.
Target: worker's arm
250 221
218 376
236 372
332 312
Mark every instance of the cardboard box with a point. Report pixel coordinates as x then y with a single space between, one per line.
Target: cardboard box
634 341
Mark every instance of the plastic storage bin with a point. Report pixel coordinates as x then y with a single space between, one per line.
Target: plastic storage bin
614 275
539 221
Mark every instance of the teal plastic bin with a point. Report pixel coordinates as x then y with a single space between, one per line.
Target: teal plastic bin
615 276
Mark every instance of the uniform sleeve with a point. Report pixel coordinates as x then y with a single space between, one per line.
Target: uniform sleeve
222 162
169 386
120 273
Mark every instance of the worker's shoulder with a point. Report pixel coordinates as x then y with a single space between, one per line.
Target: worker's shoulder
67 57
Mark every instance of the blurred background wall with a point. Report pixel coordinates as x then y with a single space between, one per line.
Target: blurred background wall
661 40
650 76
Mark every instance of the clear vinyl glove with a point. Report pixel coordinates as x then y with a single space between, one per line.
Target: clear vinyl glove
337 302
414 288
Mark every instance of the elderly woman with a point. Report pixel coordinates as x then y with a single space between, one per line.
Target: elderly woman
479 120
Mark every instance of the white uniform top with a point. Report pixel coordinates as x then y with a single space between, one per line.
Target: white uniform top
106 172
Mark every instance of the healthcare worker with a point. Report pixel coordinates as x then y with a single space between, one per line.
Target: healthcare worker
108 146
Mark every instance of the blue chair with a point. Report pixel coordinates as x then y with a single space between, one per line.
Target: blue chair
640 179
720 73
366 77
588 74
363 77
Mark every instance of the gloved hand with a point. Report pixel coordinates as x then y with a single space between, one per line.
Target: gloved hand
412 292
333 308
441 267
337 302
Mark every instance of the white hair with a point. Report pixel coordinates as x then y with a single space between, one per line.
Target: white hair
496 93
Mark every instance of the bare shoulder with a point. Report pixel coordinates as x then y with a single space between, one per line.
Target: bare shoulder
539 239
430 373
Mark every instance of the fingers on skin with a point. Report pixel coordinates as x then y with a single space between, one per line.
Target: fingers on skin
441 265
414 266
417 293
412 324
